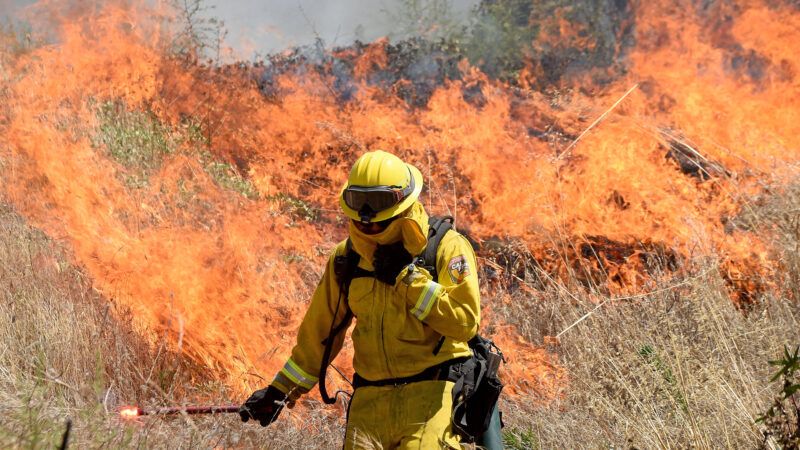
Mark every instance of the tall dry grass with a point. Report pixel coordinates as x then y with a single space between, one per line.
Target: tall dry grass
69 353
677 369
682 367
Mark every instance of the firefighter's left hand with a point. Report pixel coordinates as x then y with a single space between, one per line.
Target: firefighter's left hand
389 261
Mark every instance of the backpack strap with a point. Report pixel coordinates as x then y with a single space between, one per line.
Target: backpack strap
439 226
345 267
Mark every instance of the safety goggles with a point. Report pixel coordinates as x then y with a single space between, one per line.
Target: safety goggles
376 198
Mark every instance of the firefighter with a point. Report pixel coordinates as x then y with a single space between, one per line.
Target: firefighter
409 328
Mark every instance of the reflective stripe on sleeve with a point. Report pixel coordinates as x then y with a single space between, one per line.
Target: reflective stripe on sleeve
426 300
298 375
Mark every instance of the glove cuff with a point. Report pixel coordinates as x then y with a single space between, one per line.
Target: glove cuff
421 292
282 385
409 274
293 380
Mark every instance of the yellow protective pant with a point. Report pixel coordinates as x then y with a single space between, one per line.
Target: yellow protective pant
412 416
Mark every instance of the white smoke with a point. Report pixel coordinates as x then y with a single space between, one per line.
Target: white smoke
269 26
260 27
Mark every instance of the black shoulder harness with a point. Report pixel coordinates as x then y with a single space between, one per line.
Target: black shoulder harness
345 267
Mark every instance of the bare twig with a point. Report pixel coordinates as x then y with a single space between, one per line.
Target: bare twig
584 317
634 297
566 152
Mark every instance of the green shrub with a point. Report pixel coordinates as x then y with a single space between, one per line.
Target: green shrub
782 419
516 439
296 207
501 37
135 139
655 361
140 142
227 176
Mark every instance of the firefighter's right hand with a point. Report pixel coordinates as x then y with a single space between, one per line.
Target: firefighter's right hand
264 406
389 261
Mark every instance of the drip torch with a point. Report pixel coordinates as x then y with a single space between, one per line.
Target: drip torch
131 412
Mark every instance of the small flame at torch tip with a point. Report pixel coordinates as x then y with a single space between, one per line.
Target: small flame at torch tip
129 412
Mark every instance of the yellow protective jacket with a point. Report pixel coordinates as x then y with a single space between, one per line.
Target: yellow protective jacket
397 327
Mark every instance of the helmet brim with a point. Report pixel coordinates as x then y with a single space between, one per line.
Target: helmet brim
394 210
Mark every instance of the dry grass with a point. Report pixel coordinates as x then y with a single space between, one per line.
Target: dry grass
682 367
679 369
70 353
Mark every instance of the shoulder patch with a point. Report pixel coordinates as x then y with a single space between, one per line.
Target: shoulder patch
458 268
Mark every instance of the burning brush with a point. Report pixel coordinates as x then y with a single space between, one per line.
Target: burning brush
132 412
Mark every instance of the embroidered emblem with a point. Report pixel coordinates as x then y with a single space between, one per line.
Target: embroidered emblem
458 268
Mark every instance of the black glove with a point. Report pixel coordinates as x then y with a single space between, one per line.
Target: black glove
264 406
389 260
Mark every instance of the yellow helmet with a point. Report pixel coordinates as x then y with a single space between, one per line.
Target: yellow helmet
380 187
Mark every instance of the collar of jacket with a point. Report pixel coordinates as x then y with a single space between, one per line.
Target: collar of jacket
411 227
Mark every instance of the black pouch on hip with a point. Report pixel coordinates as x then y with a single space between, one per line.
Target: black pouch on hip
477 390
